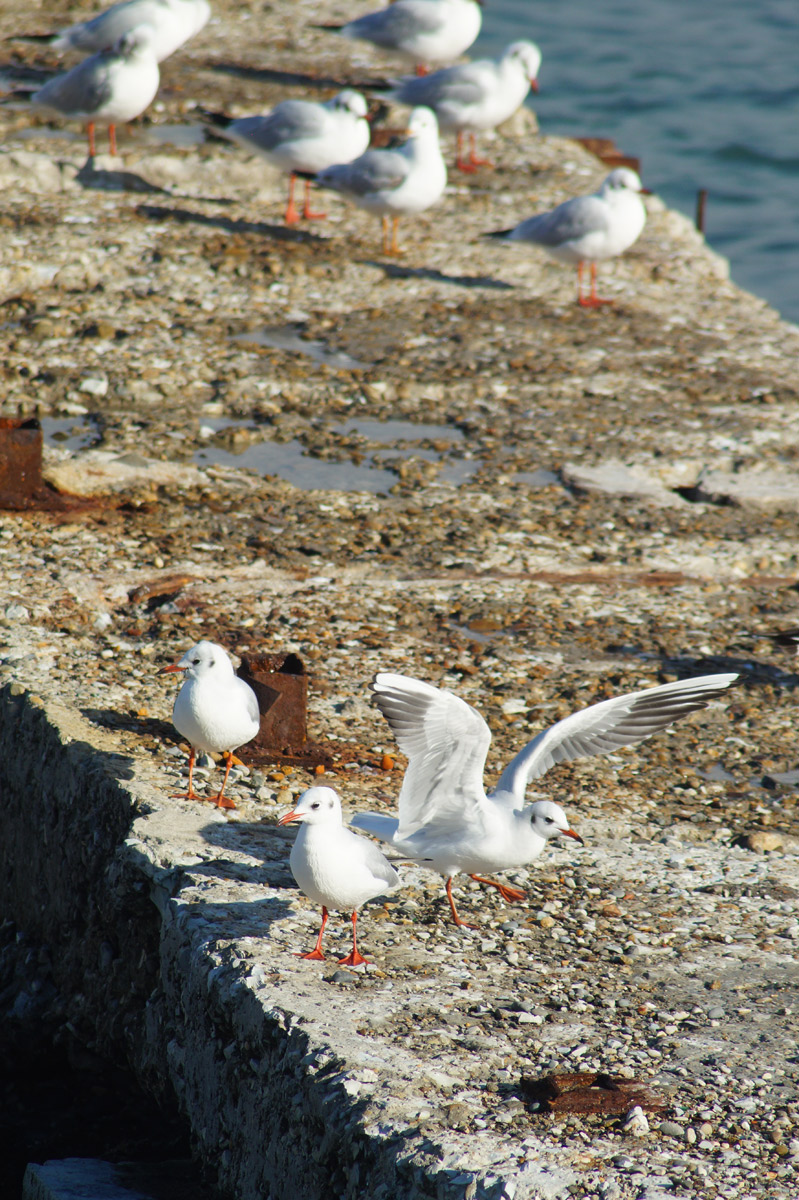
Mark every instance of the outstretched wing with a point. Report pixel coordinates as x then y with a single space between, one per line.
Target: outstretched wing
446 742
607 726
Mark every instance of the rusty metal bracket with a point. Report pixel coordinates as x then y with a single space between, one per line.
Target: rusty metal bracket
589 1092
281 685
22 488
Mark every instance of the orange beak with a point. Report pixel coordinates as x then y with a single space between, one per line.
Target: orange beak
533 85
172 667
570 833
290 816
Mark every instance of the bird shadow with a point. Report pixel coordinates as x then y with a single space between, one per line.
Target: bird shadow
281 233
92 177
293 78
397 271
111 718
751 671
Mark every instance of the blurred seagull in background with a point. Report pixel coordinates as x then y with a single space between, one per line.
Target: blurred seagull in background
587 229
426 31
475 96
173 22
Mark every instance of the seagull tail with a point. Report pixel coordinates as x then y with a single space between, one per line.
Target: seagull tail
38 39
378 824
498 233
329 28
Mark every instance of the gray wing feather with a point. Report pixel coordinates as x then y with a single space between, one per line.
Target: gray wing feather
392 25
290 120
105 29
82 90
607 726
453 85
374 171
568 222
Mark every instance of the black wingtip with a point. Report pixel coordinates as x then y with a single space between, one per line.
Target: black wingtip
328 28
36 38
497 233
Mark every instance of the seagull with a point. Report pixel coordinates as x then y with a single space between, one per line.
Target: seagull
475 96
446 821
333 866
110 88
214 711
423 30
588 228
303 135
173 22
394 182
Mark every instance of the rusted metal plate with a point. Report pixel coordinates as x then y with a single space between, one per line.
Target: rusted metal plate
281 685
590 1092
22 488
160 589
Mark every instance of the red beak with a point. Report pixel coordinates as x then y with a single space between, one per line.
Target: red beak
290 816
645 192
570 833
173 667
533 85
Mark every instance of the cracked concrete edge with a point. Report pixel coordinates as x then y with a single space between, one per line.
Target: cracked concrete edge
144 974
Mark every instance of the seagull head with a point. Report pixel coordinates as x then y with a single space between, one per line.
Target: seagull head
528 57
317 806
423 122
134 41
623 179
204 658
549 820
349 101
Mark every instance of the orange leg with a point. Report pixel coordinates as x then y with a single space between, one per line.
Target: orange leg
353 959
190 794
592 300
90 134
421 69
507 893
112 139
316 953
219 800
470 164
454 910
394 247
307 211
291 216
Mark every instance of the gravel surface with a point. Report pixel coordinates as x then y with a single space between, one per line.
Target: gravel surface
452 471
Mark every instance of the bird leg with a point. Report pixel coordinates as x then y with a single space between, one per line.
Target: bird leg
591 301
421 69
90 135
291 216
353 959
219 800
307 211
112 139
470 164
454 910
316 953
394 249
190 794
507 893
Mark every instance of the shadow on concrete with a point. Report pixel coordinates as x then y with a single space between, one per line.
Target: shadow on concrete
397 271
96 178
752 671
281 233
294 78
112 718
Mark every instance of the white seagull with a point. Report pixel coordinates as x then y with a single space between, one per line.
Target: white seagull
587 229
426 31
475 96
304 135
110 88
394 182
173 22
446 820
333 866
214 711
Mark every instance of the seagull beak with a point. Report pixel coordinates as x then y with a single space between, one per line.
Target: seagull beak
290 816
172 667
570 833
533 85
644 191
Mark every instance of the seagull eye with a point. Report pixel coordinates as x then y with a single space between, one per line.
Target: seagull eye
195 662
315 804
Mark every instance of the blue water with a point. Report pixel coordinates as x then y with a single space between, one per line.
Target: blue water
705 94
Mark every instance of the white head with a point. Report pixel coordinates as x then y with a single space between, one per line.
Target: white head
204 659
549 820
317 806
528 57
622 179
140 39
349 101
423 123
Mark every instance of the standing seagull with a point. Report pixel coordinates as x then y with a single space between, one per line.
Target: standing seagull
110 88
394 182
303 135
423 30
333 866
475 96
446 821
214 711
588 228
173 22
